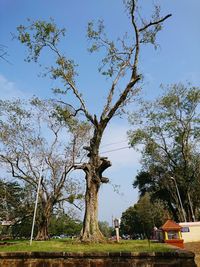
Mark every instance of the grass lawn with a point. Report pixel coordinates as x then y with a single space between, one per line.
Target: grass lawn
74 246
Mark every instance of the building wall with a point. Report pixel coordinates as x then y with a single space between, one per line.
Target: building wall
194 231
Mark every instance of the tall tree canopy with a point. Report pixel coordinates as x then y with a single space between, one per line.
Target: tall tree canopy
34 144
16 208
119 63
16 202
140 219
168 130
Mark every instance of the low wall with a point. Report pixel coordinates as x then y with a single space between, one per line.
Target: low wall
178 258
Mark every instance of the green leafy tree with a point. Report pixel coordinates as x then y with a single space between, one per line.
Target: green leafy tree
130 223
105 228
16 206
157 188
150 214
32 146
168 129
63 224
140 219
119 64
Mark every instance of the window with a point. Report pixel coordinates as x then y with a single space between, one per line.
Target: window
185 230
173 235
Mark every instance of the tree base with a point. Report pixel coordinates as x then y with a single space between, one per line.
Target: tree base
97 237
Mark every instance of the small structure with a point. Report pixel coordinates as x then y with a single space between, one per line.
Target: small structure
117 225
190 231
172 234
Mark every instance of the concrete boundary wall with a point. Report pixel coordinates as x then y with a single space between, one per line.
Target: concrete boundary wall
178 258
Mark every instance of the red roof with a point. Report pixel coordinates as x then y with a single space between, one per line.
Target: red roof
170 225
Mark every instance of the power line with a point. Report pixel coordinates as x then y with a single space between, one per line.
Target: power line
114 143
112 150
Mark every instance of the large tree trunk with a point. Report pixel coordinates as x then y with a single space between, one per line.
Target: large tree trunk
44 218
90 231
42 233
93 175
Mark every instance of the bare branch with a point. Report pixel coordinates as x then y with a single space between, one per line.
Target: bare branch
22 175
67 199
112 90
121 99
154 23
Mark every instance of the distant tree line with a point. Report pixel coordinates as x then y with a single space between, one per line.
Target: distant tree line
168 132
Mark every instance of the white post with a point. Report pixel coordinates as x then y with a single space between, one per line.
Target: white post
193 217
179 197
117 234
36 203
116 225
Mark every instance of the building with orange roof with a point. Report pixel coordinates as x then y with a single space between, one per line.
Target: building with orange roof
172 234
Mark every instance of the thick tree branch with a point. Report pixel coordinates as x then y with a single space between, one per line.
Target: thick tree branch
154 23
23 175
71 84
112 90
63 179
75 111
121 99
137 43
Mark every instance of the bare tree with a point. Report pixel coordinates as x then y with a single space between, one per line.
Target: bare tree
119 64
33 143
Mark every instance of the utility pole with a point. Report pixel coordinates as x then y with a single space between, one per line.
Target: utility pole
193 217
179 197
36 203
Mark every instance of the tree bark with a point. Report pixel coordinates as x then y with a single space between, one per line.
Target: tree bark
42 233
93 175
90 231
44 218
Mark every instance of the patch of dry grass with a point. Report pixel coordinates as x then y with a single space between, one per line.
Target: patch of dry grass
194 247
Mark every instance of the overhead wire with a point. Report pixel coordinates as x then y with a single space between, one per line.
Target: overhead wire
116 149
114 143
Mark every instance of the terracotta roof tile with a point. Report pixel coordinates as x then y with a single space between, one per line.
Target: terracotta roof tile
170 225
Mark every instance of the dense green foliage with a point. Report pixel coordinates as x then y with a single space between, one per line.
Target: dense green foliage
139 220
16 207
168 130
62 224
105 228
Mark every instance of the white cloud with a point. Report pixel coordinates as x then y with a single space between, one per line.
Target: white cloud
8 89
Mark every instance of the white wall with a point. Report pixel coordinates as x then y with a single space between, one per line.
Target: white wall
194 231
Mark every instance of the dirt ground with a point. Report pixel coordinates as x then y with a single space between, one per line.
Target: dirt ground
194 247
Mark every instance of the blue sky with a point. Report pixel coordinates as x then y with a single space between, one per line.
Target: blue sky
177 59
